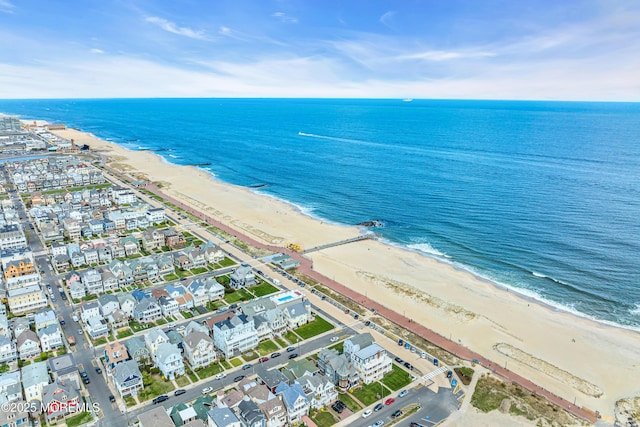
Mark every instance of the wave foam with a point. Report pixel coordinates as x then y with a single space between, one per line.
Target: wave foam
635 311
427 249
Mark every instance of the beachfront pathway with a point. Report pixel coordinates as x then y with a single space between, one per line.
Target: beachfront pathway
306 267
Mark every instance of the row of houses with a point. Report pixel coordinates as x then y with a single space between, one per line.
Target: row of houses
52 173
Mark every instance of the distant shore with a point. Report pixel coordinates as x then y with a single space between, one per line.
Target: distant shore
571 356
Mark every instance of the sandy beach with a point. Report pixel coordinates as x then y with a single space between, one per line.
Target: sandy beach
581 360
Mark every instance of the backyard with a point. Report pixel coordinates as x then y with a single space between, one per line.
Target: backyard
370 393
313 328
397 378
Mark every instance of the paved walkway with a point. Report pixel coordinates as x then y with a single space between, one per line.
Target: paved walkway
306 267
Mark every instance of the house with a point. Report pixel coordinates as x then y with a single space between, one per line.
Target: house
45 317
297 314
10 387
173 239
204 291
168 306
168 358
23 300
235 335
109 281
50 337
105 255
181 414
156 417
371 363
152 239
34 377
242 277
154 338
298 368
65 369
274 411
127 303
91 256
118 321
155 215
147 311
28 345
20 324
59 399
271 378
319 389
138 351
250 414
12 236
284 261
90 310
223 417
338 368
92 280
8 350
77 290
61 263
356 343
97 328
127 378
198 349
185 302
108 303
115 353
17 416
295 401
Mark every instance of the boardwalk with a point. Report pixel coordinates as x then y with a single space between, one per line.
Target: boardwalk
341 242
458 350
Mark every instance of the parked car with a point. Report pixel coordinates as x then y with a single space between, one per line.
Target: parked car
399 360
408 365
247 366
389 401
396 414
112 398
290 349
207 390
98 369
378 407
220 376
179 392
274 355
293 355
86 380
334 339
400 342
263 359
160 399
238 378
367 413
378 423
403 393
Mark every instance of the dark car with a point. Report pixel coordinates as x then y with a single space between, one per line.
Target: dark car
399 360
408 365
179 392
112 398
290 349
83 374
160 399
98 369
247 366
400 342
238 378
274 355
86 380
378 407
414 424
367 323
293 355
396 414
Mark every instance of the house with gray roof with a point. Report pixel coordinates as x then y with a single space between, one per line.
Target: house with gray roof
60 399
127 378
235 335
356 343
147 310
44 317
250 414
242 276
338 368
34 377
8 349
223 417
108 303
28 345
138 351
298 368
271 378
10 387
16 417
127 303
50 337
295 400
371 363
64 368
168 358
154 338
198 349
319 389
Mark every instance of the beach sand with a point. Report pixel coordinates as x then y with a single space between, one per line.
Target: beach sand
576 358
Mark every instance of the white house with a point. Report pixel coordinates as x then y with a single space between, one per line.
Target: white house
90 310
8 349
198 349
295 400
168 358
50 337
235 335
154 338
10 387
34 377
371 363
127 378
319 389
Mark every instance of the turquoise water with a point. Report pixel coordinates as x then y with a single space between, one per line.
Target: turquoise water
542 197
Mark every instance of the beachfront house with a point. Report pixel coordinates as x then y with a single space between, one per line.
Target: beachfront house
241 277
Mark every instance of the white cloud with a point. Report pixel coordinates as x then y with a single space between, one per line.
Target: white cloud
6 6
173 28
442 55
285 18
386 19
98 51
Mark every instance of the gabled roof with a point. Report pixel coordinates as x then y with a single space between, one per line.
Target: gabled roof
126 371
35 373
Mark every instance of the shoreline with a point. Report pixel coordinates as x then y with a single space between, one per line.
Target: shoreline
490 320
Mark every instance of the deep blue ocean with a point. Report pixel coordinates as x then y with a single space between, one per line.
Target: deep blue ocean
541 197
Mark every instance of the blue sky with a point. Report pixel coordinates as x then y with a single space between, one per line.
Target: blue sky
476 49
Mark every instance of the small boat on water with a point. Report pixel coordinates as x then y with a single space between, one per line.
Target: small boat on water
407 100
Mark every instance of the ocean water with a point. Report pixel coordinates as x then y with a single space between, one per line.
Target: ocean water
541 197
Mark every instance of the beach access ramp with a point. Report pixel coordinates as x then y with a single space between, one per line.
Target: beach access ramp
341 242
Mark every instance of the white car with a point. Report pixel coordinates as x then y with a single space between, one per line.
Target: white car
366 413
207 390
334 339
220 376
403 393
377 423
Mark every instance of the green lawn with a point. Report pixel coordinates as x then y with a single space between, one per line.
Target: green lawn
227 262
239 295
339 347
192 376
250 355
225 364
292 338
280 342
170 277
183 381
137 327
154 386
129 400
267 347
78 420
263 289
236 362
199 270
397 378
186 314
99 341
124 334
161 322
324 419
350 402
317 327
370 393
183 273
209 371
214 305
